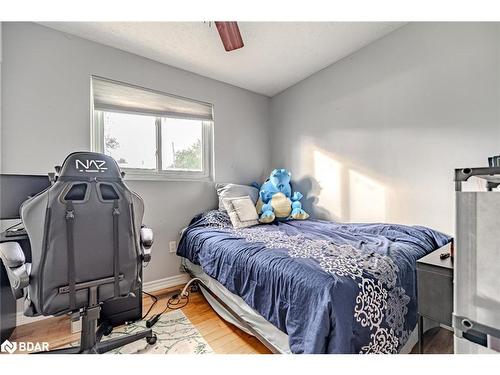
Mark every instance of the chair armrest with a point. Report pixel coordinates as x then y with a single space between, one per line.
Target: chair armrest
146 242
146 237
12 254
12 257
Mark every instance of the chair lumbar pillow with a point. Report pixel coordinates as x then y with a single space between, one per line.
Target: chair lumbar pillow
87 245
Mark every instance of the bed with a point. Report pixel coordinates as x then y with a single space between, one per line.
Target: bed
312 286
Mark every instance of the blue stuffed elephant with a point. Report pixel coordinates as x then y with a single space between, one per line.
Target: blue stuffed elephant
276 200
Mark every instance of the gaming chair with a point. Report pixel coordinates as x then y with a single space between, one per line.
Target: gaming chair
87 247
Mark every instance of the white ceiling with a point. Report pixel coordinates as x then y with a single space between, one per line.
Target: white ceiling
276 55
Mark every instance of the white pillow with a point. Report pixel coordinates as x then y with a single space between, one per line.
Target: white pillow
234 191
241 211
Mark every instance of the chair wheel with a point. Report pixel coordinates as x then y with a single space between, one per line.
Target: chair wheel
107 330
151 339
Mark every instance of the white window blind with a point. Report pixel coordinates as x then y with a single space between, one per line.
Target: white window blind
118 96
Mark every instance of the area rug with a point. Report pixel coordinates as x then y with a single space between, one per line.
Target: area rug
176 335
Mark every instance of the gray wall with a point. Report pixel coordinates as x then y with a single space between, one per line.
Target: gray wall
376 136
46 115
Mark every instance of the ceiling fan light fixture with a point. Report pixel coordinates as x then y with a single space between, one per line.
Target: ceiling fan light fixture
229 33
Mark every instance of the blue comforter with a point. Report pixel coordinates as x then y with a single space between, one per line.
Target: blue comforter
332 287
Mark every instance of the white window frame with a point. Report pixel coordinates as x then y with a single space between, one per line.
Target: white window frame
206 174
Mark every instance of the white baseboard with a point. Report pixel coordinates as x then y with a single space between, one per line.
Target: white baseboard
167 282
21 319
150 286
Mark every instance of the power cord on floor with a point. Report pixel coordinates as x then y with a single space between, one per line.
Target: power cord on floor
154 299
176 302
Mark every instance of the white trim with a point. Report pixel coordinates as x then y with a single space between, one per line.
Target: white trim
150 286
133 175
22 320
167 282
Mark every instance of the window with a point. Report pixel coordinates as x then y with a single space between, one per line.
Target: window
152 135
130 139
182 140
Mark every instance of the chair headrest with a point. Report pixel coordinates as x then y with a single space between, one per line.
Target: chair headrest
85 164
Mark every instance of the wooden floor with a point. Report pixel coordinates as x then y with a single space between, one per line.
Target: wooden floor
223 337
436 341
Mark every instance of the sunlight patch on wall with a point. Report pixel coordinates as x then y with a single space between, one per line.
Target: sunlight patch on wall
328 174
367 199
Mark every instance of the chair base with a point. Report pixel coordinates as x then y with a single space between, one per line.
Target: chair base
108 345
90 339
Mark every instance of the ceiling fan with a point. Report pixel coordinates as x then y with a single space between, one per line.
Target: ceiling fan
229 33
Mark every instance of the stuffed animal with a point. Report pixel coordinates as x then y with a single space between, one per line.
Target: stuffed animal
276 200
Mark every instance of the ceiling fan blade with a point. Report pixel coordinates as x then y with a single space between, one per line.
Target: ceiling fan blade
229 33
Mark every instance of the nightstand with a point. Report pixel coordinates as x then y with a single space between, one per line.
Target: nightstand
435 290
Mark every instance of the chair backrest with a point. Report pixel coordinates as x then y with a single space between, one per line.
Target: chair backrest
84 228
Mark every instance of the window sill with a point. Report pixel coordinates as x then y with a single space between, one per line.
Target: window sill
138 176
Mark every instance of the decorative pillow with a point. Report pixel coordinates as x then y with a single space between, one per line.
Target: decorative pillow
234 191
241 211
